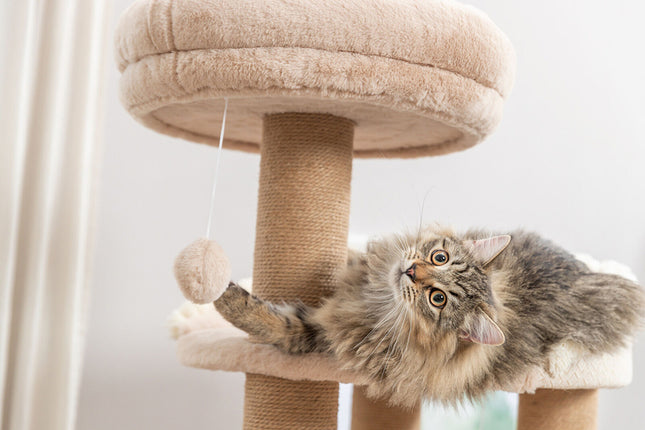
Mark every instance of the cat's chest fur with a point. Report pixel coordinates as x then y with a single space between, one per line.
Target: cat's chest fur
402 364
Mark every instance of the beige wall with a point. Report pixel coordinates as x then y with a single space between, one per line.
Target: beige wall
566 161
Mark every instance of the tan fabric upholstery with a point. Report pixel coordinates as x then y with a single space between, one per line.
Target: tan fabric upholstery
417 78
205 340
228 349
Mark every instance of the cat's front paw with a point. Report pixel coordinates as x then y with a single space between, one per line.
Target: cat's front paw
233 304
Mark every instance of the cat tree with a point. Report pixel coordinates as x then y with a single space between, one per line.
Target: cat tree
310 85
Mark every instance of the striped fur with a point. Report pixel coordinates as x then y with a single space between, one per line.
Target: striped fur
506 306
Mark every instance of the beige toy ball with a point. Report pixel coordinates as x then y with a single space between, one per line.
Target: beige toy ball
202 271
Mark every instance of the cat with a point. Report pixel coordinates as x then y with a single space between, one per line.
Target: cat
446 316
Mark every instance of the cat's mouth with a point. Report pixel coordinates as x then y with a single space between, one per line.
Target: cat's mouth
406 288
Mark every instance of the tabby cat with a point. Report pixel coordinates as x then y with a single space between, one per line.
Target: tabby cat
447 316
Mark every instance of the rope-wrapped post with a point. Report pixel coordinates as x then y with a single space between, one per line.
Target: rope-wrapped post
300 248
558 410
368 414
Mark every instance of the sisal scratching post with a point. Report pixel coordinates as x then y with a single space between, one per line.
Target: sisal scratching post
300 247
368 414
558 410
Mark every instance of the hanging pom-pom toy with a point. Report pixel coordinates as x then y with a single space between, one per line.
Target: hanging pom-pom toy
202 269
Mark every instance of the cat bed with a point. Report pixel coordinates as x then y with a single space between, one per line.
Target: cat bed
205 340
417 78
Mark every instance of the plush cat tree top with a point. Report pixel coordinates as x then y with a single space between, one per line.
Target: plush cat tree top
416 77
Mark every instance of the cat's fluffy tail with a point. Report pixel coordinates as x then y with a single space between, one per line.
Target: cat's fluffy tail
614 307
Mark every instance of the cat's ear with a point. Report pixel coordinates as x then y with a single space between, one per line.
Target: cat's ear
485 250
481 328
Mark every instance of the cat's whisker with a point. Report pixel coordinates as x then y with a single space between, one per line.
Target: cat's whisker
386 335
399 327
385 302
407 343
398 309
377 326
423 205
401 244
393 346
384 368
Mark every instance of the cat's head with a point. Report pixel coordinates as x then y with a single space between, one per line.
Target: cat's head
439 281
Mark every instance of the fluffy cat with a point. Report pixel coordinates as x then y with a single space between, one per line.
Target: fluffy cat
447 317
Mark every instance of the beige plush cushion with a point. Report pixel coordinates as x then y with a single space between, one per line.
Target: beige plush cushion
417 77
205 340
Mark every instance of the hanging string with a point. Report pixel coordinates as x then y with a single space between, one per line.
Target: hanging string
211 212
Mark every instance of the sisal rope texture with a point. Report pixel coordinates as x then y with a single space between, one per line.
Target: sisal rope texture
558 410
300 248
368 414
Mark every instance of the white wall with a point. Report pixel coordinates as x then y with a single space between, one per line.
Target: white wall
566 161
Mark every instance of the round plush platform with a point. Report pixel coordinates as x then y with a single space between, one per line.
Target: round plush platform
417 77
205 340
216 345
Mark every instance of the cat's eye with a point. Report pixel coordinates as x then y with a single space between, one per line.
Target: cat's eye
438 298
439 257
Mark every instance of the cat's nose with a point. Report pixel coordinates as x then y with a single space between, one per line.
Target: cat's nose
411 272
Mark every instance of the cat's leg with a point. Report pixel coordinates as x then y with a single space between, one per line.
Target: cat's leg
289 327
